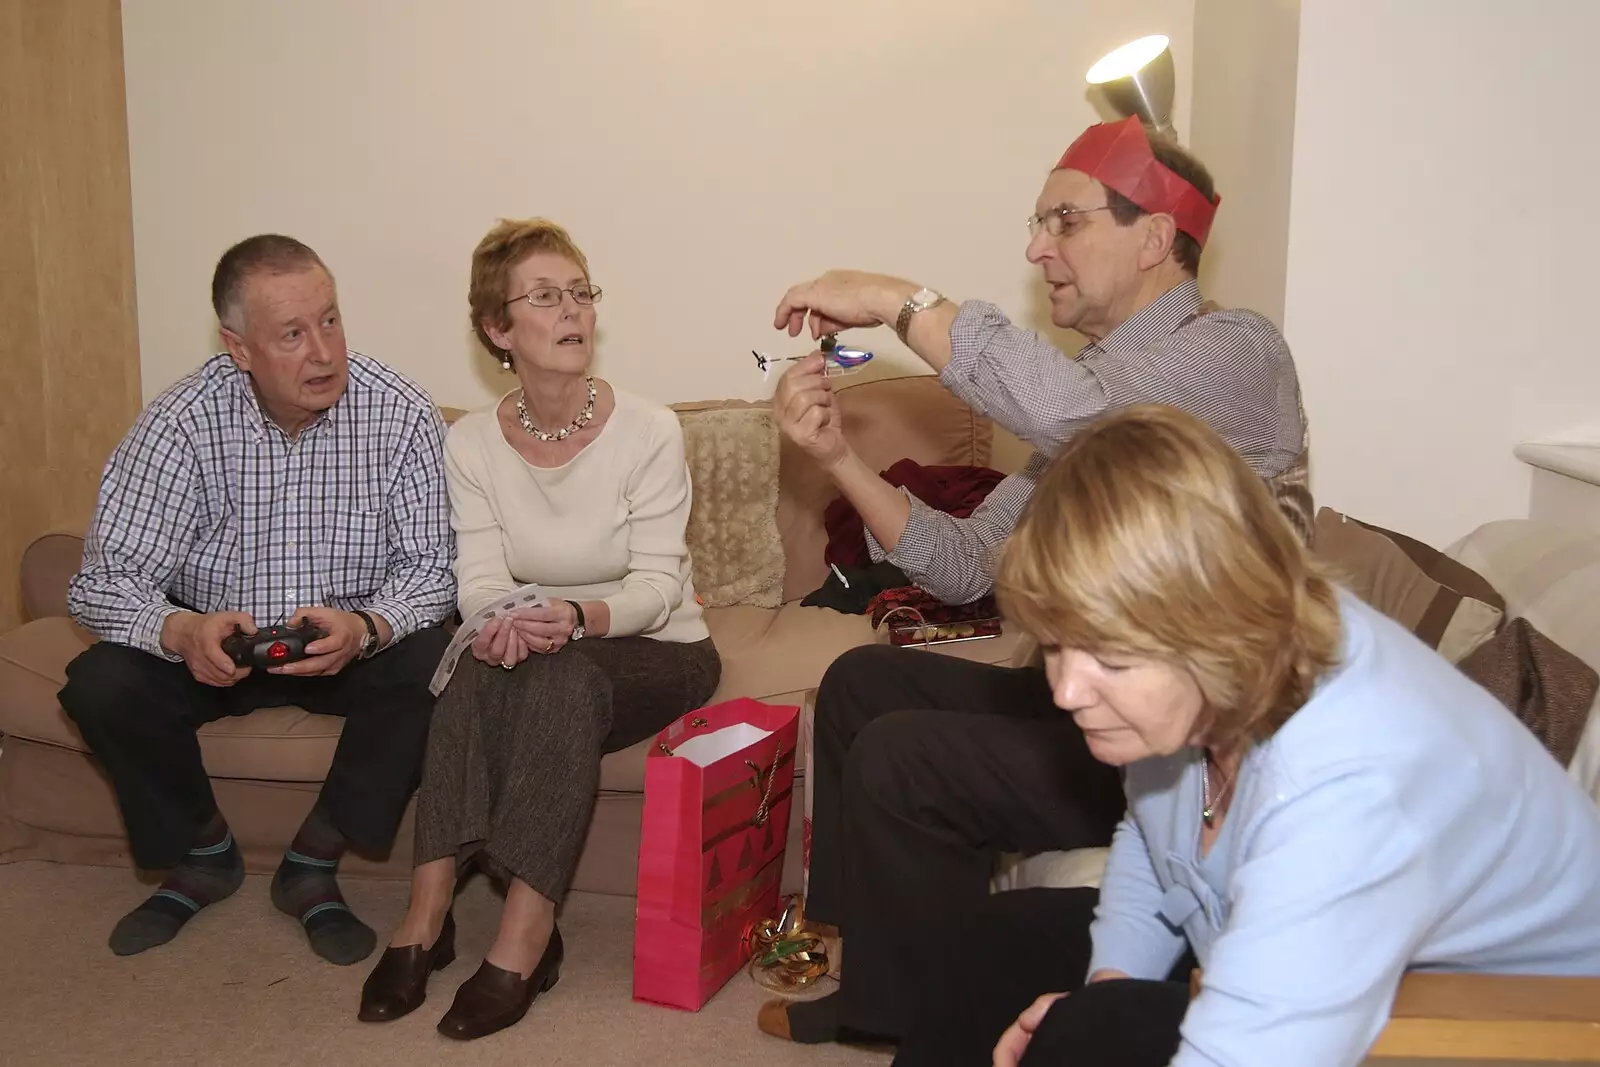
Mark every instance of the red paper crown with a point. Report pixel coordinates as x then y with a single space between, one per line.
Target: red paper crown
1118 155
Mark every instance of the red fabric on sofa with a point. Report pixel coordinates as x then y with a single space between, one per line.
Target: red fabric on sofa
955 490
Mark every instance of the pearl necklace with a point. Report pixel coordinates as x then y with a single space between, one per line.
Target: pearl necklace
566 431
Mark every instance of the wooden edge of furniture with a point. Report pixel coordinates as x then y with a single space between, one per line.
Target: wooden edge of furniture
1488 1017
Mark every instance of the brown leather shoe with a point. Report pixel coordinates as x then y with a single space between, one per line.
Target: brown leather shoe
495 998
398 985
805 1022
773 1018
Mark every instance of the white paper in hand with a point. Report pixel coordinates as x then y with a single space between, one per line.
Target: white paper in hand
527 596
706 749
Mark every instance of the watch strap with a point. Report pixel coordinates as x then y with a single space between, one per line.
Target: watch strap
370 645
578 630
902 324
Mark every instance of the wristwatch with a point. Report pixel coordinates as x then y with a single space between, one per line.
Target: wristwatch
921 300
577 631
369 643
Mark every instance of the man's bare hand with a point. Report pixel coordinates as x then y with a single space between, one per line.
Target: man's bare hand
840 299
198 639
805 410
329 654
1014 1042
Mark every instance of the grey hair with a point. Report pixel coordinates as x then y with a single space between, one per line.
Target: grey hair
263 252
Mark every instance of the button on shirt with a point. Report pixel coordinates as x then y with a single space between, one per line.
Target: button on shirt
208 504
1230 367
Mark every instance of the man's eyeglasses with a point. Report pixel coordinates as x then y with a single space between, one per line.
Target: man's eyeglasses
548 296
1056 219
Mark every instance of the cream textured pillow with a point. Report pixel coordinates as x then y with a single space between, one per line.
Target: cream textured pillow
733 536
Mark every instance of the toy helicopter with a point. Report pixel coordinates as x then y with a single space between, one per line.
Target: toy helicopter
837 359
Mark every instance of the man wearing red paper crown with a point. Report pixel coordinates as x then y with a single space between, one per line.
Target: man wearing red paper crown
927 767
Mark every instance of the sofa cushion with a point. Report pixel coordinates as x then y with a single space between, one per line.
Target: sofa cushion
1549 575
732 452
1450 573
772 655
33 668
1383 574
48 564
1545 686
913 418
283 744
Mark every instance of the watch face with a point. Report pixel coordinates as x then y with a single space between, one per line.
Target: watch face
924 296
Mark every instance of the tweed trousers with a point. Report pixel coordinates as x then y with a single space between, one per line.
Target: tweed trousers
513 758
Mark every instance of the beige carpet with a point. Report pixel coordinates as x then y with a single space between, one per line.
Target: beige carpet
241 987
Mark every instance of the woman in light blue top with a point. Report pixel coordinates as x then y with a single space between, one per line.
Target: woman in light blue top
1317 802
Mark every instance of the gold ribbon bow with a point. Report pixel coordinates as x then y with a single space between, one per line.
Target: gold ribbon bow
785 957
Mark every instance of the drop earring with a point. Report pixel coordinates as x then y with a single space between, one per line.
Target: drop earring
505 359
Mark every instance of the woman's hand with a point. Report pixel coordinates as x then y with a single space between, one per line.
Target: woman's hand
545 630
494 644
1014 1042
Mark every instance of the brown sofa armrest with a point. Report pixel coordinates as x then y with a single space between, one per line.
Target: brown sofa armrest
1493 1017
47 566
1525 1018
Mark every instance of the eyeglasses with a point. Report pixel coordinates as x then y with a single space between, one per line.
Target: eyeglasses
1055 220
548 296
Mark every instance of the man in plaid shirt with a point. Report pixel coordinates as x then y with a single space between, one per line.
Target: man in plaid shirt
925 766
288 480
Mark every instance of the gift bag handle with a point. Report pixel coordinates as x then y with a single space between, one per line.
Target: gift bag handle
694 724
763 810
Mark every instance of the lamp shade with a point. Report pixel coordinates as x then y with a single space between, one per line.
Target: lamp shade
1137 79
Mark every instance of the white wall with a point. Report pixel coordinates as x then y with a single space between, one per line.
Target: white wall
706 154
1245 57
1442 248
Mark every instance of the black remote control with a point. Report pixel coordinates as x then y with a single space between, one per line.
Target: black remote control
270 646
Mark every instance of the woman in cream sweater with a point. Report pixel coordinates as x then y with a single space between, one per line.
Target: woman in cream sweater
584 490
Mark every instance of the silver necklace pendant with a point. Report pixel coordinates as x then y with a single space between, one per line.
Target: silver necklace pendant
1209 803
566 431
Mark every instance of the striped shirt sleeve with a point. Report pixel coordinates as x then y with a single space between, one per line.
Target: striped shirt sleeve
1018 379
419 587
138 538
954 558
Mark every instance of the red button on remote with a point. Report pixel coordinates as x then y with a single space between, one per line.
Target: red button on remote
277 650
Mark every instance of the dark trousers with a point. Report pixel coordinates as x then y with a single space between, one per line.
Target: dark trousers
926 767
513 762
1016 946
139 713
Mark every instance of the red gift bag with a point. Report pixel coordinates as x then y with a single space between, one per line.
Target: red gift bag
711 850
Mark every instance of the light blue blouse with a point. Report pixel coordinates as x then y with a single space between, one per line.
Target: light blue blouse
1403 819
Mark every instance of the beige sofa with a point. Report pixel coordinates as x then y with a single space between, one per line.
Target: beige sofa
266 767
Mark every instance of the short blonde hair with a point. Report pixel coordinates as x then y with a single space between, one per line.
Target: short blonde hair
509 243
1149 536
